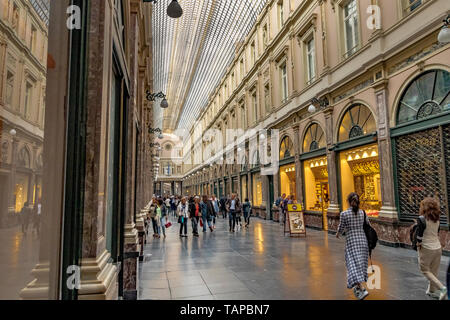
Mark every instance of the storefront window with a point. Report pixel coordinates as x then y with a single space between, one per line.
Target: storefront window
316 184
357 121
360 173
257 189
287 180
244 194
314 138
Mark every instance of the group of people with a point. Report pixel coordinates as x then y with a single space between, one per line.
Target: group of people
282 203
200 210
429 247
31 214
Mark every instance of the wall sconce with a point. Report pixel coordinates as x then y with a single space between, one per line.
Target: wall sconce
323 103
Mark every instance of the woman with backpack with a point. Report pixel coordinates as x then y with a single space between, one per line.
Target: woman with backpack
429 247
352 223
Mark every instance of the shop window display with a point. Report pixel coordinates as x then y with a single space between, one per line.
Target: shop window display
360 173
316 184
244 194
257 189
288 180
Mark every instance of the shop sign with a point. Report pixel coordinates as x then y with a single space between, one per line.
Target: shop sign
296 221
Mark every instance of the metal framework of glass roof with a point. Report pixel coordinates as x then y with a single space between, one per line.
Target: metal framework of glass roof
191 54
42 7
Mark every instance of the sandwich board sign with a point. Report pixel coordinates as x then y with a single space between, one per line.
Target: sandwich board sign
295 219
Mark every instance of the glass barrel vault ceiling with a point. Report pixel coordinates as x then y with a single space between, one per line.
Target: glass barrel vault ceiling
191 54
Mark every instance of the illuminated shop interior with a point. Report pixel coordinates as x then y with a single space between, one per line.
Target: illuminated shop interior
316 184
360 173
244 194
287 180
257 189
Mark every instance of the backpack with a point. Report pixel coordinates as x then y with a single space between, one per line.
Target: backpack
371 235
414 231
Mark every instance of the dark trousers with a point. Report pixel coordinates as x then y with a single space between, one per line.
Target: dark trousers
232 219
224 213
247 218
195 225
183 225
155 226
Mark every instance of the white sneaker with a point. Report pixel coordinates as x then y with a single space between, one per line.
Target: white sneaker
363 294
356 292
443 293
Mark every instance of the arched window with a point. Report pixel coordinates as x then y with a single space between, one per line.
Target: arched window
243 163
427 95
24 158
286 148
255 160
357 121
314 138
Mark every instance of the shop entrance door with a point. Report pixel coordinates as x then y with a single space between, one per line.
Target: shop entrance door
324 199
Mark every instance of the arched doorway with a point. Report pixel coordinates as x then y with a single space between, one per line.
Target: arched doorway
421 143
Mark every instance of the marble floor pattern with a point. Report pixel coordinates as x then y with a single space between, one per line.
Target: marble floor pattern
262 263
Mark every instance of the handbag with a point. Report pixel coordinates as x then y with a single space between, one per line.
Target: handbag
201 223
371 235
168 224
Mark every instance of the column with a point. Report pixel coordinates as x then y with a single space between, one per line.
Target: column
12 179
134 231
388 209
298 167
333 209
3 45
265 205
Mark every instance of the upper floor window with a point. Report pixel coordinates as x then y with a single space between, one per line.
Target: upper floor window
253 52
284 82
242 68
311 60
33 39
255 106
264 36
280 14
15 18
410 5
243 115
9 88
232 81
351 25
28 100
267 103
427 95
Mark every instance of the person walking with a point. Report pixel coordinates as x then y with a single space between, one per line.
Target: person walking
37 217
215 204
232 205
194 214
207 212
223 207
429 247
238 213
183 216
247 208
356 246
25 214
152 214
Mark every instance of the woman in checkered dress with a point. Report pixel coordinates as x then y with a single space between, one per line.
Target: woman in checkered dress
356 246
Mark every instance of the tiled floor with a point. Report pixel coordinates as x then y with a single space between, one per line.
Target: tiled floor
261 263
18 256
